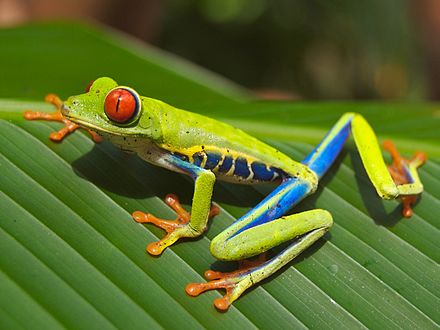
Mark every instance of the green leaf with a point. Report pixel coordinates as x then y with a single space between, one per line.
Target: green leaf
73 257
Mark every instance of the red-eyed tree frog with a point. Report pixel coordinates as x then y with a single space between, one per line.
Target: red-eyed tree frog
206 150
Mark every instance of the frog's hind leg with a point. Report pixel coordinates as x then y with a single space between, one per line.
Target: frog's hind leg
306 227
261 229
399 180
68 128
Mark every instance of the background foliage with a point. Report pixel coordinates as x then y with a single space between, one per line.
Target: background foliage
73 257
314 49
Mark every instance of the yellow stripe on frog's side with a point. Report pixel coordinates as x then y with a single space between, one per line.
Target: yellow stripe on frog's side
233 158
208 148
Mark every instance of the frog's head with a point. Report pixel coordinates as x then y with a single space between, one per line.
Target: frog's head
107 108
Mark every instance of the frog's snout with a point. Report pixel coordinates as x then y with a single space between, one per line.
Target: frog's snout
65 110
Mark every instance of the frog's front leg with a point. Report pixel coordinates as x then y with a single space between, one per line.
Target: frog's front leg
186 225
68 128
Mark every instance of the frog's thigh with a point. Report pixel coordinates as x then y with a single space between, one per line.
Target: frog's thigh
261 238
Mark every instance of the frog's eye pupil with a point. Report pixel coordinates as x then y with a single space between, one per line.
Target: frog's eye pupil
88 86
121 105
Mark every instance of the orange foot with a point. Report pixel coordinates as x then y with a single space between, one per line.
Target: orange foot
57 116
175 228
235 283
400 175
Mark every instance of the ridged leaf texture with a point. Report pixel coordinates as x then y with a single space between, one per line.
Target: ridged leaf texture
73 257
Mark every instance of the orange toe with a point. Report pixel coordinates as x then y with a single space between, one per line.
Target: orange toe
399 172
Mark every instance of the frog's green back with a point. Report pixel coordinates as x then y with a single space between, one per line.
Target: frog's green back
188 133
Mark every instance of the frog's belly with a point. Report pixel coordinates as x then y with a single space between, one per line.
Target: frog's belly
231 167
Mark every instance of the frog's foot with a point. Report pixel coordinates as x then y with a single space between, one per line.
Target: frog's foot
68 128
400 172
235 283
175 228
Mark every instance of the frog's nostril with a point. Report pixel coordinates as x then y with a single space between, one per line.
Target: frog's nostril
64 110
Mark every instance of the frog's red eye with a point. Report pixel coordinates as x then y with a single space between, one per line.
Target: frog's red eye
89 85
121 105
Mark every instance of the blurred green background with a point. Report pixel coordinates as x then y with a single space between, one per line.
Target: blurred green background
294 49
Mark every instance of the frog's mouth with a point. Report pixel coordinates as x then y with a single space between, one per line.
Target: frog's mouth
68 115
